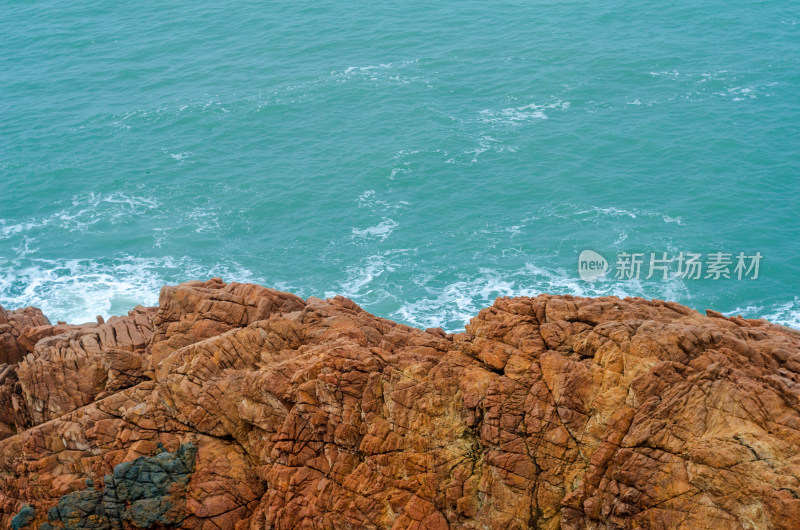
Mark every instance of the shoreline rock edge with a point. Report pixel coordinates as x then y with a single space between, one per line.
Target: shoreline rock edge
546 412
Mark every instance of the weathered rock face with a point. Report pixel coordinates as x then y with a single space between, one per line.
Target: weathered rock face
142 493
548 412
71 366
194 311
14 343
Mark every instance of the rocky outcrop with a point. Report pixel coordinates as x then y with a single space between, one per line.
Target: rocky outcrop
14 342
194 311
248 408
71 366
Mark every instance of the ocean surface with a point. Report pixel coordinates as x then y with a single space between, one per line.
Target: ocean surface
422 159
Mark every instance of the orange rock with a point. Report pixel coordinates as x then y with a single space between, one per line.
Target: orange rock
13 326
548 412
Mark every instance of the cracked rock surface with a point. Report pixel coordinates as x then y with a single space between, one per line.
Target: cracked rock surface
547 412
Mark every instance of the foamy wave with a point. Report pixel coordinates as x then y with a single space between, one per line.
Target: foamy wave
382 66
179 157
204 219
673 73
740 93
10 229
381 72
86 209
77 290
366 281
451 306
515 115
380 231
596 212
358 279
720 84
369 200
783 313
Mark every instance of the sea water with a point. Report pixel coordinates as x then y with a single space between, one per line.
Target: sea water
420 158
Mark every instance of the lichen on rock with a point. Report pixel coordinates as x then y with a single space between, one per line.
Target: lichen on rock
26 514
143 492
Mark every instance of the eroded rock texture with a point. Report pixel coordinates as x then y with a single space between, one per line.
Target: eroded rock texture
548 412
144 493
14 342
68 367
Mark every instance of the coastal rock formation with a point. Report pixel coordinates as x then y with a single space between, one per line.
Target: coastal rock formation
67 367
14 342
237 406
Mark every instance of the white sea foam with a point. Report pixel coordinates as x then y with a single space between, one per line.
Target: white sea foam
515 115
381 72
783 313
86 209
76 290
169 111
366 198
396 170
452 305
204 219
24 249
9 228
737 93
787 314
720 84
380 231
358 278
612 211
364 282
160 236
596 213
633 213
369 200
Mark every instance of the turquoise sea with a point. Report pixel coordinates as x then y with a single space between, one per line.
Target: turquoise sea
420 158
